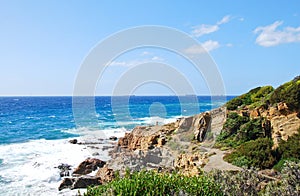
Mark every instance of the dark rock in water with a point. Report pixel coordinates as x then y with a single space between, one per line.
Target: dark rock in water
84 182
81 182
95 154
114 138
64 169
73 141
66 183
89 165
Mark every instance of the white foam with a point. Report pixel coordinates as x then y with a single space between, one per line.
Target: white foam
158 120
29 168
97 133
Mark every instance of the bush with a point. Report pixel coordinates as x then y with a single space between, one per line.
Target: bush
153 183
290 148
289 184
258 153
234 103
250 130
288 93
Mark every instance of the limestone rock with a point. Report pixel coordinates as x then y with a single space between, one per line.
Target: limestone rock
89 165
254 113
190 164
105 174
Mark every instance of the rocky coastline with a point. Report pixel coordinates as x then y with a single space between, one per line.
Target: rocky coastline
184 146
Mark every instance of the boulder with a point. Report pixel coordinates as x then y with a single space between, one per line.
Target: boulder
89 165
66 183
105 174
84 182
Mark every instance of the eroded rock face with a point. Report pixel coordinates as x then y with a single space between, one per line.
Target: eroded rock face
201 126
279 124
148 137
284 127
88 166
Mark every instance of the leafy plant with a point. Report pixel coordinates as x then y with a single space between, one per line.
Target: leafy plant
288 93
258 153
153 183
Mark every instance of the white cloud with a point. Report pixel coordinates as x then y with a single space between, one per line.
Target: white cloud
270 36
132 63
205 47
207 29
241 19
157 58
204 29
146 53
224 20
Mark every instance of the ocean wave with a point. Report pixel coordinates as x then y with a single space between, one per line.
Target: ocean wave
29 168
97 133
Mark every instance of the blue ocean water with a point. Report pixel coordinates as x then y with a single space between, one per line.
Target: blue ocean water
31 118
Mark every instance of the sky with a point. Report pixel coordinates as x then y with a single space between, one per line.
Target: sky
44 43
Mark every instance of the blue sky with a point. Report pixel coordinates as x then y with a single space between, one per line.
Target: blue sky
43 43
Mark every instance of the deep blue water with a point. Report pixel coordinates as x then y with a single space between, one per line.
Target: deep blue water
32 118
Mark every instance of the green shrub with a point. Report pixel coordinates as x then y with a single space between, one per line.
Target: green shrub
288 93
290 148
250 130
261 93
234 103
258 153
153 183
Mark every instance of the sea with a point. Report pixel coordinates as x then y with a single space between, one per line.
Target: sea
35 133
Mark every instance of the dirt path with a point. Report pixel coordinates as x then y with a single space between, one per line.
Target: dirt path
216 162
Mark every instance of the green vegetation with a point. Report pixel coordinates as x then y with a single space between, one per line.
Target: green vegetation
257 96
153 183
255 153
289 183
288 93
249 138
217 182
239 129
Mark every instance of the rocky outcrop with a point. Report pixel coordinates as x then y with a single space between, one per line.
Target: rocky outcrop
280 122
284 126
88 166
147 137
